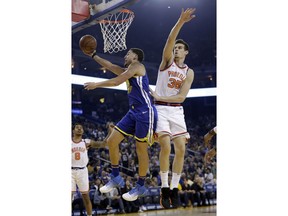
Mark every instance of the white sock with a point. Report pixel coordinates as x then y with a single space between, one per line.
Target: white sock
175 180
164 179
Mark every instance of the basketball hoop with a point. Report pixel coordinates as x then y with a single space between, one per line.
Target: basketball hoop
114 29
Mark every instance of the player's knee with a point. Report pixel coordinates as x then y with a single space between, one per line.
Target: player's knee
180 149
165 149
111 143
86 197
109 140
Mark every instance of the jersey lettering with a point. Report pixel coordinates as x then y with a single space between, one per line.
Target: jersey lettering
174 83
77 156
176 74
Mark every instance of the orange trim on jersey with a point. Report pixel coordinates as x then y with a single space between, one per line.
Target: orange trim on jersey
180 134
176 65
166 67
180 66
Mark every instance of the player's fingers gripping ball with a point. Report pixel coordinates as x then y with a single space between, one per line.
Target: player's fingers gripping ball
88 44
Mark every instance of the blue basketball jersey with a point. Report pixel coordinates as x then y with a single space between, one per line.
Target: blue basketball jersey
138 91
140 121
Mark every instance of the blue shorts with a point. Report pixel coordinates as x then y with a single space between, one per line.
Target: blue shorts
140 122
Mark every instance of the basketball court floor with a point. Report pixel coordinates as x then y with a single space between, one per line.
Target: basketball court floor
199 211
196 211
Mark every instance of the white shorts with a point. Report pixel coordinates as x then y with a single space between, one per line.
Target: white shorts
171 121
81 179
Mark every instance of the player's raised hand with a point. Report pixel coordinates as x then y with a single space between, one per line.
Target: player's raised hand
187 15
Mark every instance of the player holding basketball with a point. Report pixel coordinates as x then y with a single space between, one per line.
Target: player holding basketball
80 161
173 83
139 122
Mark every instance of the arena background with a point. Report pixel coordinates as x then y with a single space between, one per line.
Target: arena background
36 105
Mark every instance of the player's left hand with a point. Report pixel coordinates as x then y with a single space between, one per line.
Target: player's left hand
154 94
90 85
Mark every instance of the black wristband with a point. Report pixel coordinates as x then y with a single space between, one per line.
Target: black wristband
94 54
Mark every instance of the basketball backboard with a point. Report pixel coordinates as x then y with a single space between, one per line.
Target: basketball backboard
98 10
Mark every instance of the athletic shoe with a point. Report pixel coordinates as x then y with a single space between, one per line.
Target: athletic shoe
174 197
165 198
114 182
138 191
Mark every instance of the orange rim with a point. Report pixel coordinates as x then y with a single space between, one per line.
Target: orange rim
118 21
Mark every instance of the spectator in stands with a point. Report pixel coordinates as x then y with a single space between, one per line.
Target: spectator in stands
125 160
99 200
154 182
208 176
104 176
184 193
194 160
77 203
129 206
115 199
198 192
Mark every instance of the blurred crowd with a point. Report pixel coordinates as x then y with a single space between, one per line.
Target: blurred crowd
197 185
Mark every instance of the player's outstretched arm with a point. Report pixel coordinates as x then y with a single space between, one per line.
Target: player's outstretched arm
132 70
167 56
102 144
209 156
97 144
107 64
208 136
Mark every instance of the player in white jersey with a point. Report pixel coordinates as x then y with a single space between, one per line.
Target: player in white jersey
173 83
79 163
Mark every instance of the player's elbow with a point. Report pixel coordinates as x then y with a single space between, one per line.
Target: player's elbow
181 98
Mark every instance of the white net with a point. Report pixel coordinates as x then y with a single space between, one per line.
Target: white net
114 29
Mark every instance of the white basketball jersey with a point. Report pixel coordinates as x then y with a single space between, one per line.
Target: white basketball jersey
79 153
170 80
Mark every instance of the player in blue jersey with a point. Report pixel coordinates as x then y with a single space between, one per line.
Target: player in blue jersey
139 122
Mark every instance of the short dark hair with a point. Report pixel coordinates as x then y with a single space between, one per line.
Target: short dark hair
181 41
77 123
139 53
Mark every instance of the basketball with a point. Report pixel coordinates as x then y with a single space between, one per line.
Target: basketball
87 44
